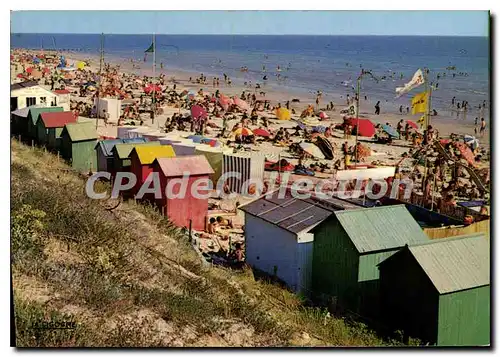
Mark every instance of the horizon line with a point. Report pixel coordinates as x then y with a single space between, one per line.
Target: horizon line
240 34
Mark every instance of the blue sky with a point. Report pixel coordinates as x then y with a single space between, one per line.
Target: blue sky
425 23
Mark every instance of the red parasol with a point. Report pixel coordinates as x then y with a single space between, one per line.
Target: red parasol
29 69
323 116
412 124
261 132
198 112
241 104
225 102
46 70
20 75
152 87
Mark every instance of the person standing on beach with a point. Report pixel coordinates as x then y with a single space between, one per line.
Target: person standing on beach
213 83
483 127
453 101
377 108
401 109
348 100
475 126
217 82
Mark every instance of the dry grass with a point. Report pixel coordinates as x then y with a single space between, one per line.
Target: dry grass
129 278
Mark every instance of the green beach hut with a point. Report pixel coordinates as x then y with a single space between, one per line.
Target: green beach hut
33 116
78 141
439 291
350 244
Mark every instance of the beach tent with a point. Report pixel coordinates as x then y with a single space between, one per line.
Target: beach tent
283 114
312 150
366 127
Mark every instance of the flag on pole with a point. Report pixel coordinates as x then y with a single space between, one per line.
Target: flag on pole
417 80
151 49
419 103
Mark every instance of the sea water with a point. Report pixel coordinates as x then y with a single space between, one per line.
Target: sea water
307 63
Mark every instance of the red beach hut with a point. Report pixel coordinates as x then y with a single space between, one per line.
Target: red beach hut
187 207
141 161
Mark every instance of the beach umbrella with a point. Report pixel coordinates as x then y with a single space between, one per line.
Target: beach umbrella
312 150
198 112
283 114
224 102
20 75
36 60
243 132
29 69
240 103
366 127
80 65
152 87
68 69
46 70
412 124
323 115
261 132
390 130
196 138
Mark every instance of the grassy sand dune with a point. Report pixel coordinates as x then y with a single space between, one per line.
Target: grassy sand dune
129 278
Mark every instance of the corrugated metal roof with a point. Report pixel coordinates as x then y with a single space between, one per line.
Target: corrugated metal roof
381 228
57 119
108 145
21 85
123 150
290 213
147 154
177 166
36 111
456 263
81 131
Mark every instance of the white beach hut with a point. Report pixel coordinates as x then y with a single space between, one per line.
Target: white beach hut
250 165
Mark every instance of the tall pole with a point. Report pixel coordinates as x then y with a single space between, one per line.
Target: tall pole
101 58
358 89
428 90
154 70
